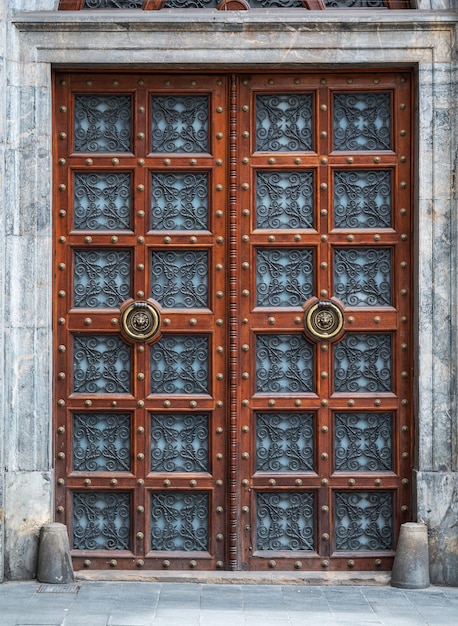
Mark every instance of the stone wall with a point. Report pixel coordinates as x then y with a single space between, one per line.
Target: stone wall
31 42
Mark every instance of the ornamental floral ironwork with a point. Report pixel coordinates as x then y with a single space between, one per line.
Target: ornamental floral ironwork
101 521
363 520
179 364
101 442
179 521
179 201
179 443
363 363
284 199
101 278
102 201
284 277
285 442
362 121
362 276
284 364
180 124
285 521
101 364
363 442
103 123
362 199
284 122
179 279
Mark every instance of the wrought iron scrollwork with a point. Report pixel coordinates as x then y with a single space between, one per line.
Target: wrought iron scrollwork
284 364
179 443
179 364
362 121
103 123
284 199
284 122
101 521
179 521
363 520
284 276
101 278
179 201
362 199
363 442
363 363
284 442
101 364
180 124
285 521
179 279
101 442
102 201
362 276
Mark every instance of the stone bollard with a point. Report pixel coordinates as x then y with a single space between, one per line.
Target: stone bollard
54 560
411 563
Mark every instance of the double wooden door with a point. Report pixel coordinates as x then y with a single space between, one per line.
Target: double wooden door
233 318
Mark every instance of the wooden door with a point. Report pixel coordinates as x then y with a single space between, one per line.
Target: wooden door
207 227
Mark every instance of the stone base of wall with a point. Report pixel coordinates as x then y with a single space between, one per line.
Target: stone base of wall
27 506
437 497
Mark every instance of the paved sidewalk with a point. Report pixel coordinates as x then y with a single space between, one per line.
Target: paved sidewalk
194 604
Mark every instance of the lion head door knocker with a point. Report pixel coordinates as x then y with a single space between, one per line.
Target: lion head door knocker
140 321
324 320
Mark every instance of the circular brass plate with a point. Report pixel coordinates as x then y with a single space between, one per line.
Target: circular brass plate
324 320
140 321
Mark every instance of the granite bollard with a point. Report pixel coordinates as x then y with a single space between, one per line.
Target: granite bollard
411 563
54 560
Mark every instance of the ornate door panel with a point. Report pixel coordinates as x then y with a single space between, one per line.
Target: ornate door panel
233 319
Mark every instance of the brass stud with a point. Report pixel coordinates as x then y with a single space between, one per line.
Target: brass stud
351 402
113 482
298 320
86 563
219 187
325 509
403 159
140 187
405 456
245 375
219 430
219 135
297 161
351 319
245 134
324 160
140 430
62 187
63 108
350 160
219 404
192 321
272 482
87 482
114 239
140 482
325 563
245 293
404 319
325 482
141 162
377 482
272 564
88 239
114 403
61 456
245 347
140 267
403 347
113 563
62 135
378 562
60 481
193 162
323 265
61 321
405 482
219 483
245 456
271 161
219 376
140 404
87 321
405 429
323 81
323 186
60 509
219 213
88 403
324 456
403 185
324 347
297 402
219 267
61 430
404 374
219 349
246 212
378 402
245 429
404 508
219 322
298 482
324 429
62 348
297 237
351 563
377 319
324 238
166 483
323 134
349 81
351 482
62 213
323 107
271 320
377 159
324 293
140 376
245 482
271 402
167 239
193 483
64 239
271 238
219 457
324 212
377 237
61 402
324 375
140 239
245 238
219 161
192 404
220 294
403 133
325 537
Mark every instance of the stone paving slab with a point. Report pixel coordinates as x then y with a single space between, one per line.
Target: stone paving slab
119 603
